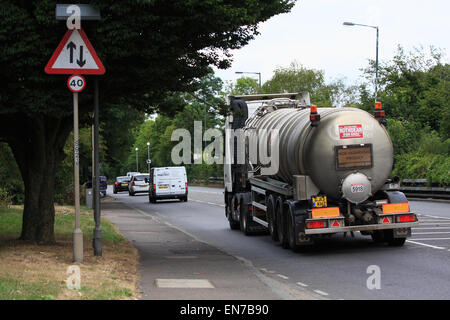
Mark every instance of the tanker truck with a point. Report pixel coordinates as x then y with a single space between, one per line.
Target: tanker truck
300 173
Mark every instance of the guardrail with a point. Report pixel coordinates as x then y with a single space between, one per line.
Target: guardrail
413 188
419 188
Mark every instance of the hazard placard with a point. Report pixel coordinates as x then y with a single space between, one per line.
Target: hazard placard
75 55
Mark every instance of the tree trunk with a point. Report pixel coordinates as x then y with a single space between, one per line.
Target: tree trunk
38 147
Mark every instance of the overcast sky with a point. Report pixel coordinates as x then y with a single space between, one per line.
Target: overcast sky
313 35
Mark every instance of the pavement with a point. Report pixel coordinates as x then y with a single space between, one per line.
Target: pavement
175 265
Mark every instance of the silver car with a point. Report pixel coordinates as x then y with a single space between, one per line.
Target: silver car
138 184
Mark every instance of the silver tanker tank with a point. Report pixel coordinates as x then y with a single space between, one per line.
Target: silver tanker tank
349 154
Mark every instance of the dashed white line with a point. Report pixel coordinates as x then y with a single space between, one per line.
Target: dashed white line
301 284
282 276
321 292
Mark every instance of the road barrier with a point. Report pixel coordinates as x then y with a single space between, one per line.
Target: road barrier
413 188
420 188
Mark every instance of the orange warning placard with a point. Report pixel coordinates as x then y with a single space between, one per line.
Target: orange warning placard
396 207
325 212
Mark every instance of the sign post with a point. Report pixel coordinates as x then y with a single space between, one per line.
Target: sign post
75 55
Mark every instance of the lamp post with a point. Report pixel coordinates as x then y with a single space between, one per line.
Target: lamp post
258 73
148 156
137 165
376 59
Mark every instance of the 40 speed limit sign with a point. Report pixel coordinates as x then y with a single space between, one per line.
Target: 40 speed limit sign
76 83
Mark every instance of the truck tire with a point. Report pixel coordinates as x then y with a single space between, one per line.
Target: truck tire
281 223
271 218
244 219
394 242
291 232
234 225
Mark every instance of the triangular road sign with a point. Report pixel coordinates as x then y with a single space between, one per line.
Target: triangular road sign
75 55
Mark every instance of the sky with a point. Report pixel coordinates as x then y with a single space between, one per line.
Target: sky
312 34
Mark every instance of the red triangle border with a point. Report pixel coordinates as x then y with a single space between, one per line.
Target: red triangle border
50 70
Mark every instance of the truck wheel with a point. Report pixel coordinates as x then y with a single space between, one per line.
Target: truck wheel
244 219
378 237
394 242
291 232
234 225
397 242
271 218
281 224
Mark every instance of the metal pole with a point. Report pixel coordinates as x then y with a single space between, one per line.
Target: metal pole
137 165
260 91
77 233
148 160
97 241
376 71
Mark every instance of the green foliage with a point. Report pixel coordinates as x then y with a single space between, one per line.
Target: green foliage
297 78
243 86
10 178
202 106
415 91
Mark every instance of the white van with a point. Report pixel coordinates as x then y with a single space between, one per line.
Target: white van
168 183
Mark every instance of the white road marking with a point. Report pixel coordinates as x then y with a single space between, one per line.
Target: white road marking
437 232
431 239
283 277
183 283
211 203
426 245
321 292
432 223
431 228
302 284
437 217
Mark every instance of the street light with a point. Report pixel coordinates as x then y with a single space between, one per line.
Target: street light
376 60
137 165
258 73
148 157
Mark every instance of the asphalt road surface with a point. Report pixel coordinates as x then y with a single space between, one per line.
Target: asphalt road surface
337 267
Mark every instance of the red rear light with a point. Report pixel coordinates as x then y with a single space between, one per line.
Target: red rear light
406 218
154 186
185 184
116 184
132 183
250 208
316 224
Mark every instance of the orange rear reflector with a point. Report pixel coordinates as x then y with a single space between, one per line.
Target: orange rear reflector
396 207
325 212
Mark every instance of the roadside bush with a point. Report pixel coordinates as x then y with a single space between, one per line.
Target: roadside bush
5 198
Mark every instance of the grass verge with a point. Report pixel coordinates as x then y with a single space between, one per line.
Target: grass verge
38 272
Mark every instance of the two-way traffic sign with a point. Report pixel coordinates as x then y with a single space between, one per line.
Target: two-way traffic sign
75 55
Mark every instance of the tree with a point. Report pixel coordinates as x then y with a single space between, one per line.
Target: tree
243 86
297 78
148 48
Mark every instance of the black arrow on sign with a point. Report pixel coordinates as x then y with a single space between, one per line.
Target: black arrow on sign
71 46
81 62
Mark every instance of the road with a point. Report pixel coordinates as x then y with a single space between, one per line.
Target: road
336 268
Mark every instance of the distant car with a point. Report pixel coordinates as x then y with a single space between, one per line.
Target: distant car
168 183
121 184
138 184
131 174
